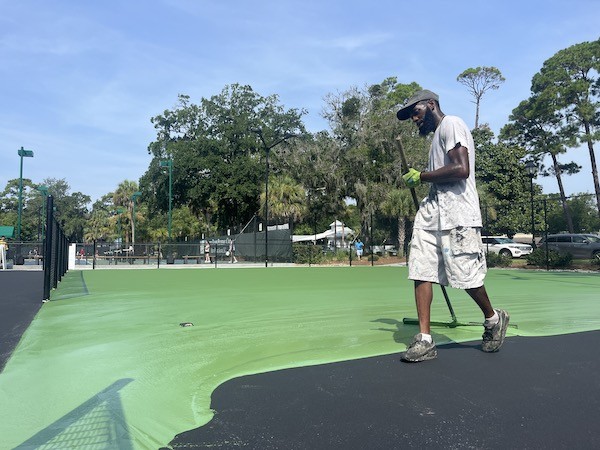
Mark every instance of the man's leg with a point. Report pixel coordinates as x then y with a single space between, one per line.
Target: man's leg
480 296
425 267
422 348
496 320
423 299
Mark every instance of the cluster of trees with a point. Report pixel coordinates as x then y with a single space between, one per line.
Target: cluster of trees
219 151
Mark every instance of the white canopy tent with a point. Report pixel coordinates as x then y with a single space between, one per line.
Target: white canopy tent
339 233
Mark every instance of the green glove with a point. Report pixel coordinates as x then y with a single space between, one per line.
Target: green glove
412 178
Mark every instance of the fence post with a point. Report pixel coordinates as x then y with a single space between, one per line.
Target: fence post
158 256
546 234
372 248
48 247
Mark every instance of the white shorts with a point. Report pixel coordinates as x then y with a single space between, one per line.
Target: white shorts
451 257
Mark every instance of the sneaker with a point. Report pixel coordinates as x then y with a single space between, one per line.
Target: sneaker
493 337
419 350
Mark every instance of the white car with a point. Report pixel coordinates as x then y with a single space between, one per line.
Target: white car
505 246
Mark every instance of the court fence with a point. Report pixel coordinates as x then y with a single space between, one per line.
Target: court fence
326 240
257 247
55 255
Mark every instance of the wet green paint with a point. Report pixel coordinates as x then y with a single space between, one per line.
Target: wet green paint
106 364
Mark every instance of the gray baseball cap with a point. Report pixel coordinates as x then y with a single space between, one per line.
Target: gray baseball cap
404 112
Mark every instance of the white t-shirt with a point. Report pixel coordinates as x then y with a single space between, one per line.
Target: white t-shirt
454 204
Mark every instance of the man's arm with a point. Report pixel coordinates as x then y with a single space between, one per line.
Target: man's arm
457 169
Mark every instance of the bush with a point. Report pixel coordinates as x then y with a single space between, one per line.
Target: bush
555 260
341 255
497 260
307 253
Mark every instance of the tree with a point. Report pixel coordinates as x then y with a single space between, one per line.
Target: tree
537 127
583 211
122 197
71 208
218 160
570 82
187 225
286 198
316 163
478 81
9 203
397 204
365 128
380 139
501 181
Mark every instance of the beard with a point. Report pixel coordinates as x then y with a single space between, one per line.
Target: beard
428 125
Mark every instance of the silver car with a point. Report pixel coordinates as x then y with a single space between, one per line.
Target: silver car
505 246
581 246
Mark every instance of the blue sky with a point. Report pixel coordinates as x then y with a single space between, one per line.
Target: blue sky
81 79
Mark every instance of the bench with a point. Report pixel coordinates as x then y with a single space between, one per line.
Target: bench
123 258
199 259
36 258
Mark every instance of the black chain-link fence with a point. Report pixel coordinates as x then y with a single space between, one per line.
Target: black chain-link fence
377 239
56 247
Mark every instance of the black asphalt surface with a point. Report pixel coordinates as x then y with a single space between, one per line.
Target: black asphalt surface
536 393
21 294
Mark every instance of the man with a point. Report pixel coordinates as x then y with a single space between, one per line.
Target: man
231 252
446 243
359 246
3 249
207 251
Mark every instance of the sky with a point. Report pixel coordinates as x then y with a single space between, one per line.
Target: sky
80 80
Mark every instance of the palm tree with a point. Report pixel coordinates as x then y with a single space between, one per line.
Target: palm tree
286 198
398 203
97 226
122 197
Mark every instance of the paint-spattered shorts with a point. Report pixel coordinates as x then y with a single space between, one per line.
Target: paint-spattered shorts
451 257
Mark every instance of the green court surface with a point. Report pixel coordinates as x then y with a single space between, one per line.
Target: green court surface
106 364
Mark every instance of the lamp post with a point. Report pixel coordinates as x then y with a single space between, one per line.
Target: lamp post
531 173
133 199
44 192
314 219
169 163
118 213
267 150
23 154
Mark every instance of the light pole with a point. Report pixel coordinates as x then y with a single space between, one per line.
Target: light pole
267 150
119 211
531 173
169 163
23 154
133 199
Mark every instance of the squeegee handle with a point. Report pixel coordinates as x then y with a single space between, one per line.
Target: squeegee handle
405 164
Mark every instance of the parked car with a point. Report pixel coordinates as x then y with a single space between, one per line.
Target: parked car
505 246
581 246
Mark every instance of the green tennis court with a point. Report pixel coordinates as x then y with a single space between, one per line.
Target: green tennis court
106 364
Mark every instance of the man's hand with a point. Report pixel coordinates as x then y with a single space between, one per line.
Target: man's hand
412 178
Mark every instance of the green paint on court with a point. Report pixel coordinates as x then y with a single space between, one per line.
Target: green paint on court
105 364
